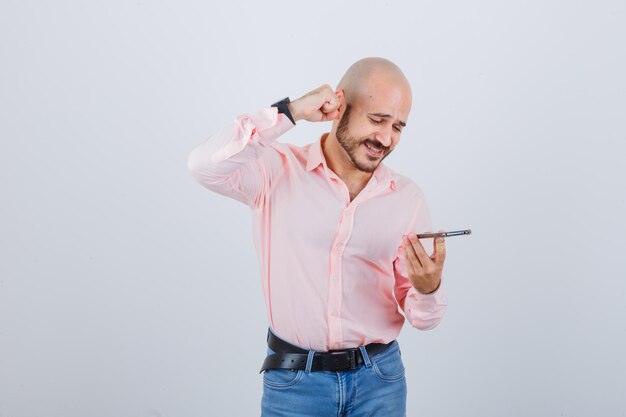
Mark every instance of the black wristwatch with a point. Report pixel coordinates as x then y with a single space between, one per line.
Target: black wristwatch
283 107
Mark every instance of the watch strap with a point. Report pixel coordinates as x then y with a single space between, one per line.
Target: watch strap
283 107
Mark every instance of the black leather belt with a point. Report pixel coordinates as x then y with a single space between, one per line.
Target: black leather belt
289 356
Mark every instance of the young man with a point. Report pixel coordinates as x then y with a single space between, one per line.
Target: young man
334 230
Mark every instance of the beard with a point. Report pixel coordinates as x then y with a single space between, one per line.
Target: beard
351 145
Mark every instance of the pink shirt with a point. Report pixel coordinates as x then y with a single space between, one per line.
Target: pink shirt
333 271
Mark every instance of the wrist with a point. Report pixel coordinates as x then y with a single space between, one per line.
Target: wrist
426 292
283 108
294 110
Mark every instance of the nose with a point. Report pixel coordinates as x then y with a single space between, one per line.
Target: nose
383 135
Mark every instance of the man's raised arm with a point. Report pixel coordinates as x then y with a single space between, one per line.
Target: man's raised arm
235 161
228 162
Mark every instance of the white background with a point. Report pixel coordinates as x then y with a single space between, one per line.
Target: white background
121 279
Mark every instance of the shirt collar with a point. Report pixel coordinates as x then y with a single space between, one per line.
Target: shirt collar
382 173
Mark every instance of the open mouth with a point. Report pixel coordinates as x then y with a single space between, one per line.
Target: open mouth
373 151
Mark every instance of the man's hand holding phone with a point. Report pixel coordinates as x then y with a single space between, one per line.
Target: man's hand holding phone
424 271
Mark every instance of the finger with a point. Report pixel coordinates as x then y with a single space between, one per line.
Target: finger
440 249
412 264
419 250
412 255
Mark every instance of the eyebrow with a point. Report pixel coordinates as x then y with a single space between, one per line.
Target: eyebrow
386 116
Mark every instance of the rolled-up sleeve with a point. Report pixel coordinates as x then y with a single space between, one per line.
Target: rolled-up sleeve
234 161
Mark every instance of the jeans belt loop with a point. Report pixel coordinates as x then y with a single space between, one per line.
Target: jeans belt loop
309 361
366 356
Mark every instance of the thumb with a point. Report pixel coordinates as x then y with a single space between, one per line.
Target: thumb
330 105
332 115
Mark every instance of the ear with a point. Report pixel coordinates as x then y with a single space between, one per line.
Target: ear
342 99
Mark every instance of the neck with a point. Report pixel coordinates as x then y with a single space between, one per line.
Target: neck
339 162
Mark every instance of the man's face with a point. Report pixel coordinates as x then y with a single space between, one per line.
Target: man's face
377 123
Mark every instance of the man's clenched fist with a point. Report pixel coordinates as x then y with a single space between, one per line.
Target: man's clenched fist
319 105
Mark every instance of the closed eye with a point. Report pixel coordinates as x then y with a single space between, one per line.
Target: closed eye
396 127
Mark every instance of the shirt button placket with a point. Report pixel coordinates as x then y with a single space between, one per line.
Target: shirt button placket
335 289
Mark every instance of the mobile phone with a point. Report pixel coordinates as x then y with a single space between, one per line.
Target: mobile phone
445 234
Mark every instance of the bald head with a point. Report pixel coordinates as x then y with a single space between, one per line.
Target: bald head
365 76
374 105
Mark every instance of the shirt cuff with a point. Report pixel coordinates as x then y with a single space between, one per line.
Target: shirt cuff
269 125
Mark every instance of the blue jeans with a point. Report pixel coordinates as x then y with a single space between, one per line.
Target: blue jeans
376 388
